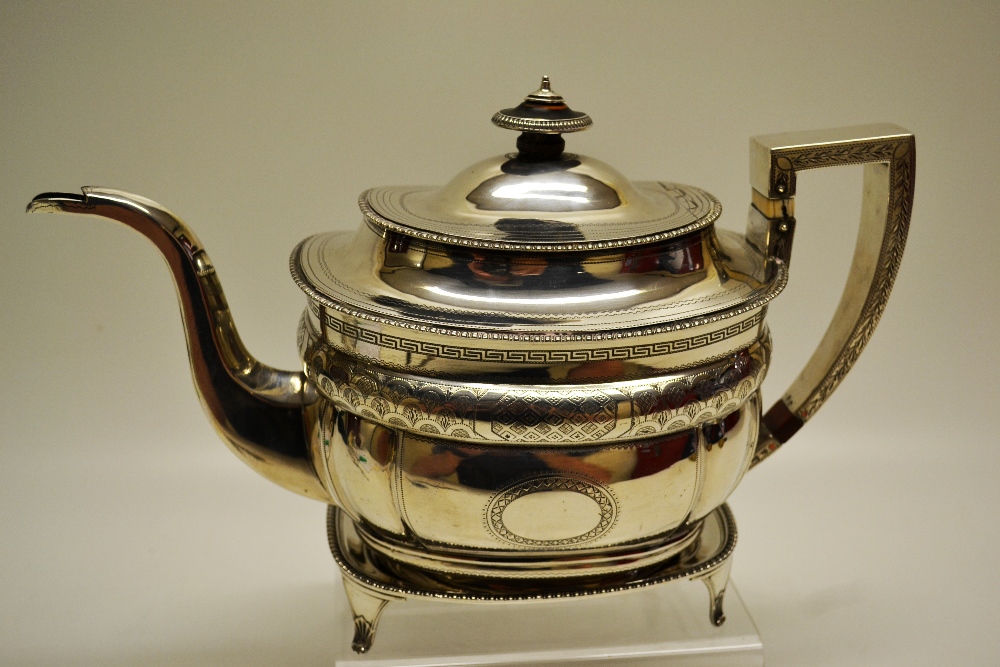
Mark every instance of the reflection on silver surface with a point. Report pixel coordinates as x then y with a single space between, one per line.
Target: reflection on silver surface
533 301
526 187
457 504
616 213
540 380
521 413
533 190
258 410
372 582
398 279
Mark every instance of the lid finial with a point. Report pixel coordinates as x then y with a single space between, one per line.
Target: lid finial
543 112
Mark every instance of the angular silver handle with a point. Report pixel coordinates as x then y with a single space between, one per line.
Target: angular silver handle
889 155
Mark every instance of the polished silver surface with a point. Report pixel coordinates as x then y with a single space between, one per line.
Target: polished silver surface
435 310
477 411
258 410
490 500
540 380
539 357
541 198
372 582
607 294
571 204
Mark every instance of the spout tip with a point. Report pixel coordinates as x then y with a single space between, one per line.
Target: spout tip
49 202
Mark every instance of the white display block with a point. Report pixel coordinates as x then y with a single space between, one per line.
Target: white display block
660 625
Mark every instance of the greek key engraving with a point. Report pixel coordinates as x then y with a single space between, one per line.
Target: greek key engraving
541 356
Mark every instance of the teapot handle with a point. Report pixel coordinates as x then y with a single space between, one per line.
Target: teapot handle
888 153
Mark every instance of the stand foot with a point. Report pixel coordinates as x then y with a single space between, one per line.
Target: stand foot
715 581
366 606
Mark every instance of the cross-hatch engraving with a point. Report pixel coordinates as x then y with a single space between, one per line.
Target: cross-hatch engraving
554 417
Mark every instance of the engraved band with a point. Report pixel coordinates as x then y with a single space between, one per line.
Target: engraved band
532 415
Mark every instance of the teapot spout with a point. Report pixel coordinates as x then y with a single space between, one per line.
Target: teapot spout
261 412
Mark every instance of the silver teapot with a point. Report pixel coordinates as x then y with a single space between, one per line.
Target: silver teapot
541 380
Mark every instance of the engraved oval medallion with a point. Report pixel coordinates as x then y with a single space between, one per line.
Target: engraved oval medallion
552 515
552 510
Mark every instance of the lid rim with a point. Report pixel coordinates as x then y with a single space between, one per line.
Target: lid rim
382 224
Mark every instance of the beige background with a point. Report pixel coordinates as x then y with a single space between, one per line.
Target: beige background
129 535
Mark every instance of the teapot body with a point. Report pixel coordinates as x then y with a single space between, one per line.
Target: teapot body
463 507
540 380
504 450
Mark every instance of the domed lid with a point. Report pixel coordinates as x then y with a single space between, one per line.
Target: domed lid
541 198
486 257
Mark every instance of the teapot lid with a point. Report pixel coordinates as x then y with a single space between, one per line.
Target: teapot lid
489 255
541 198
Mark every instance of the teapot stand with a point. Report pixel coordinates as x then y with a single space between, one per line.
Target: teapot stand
371 582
